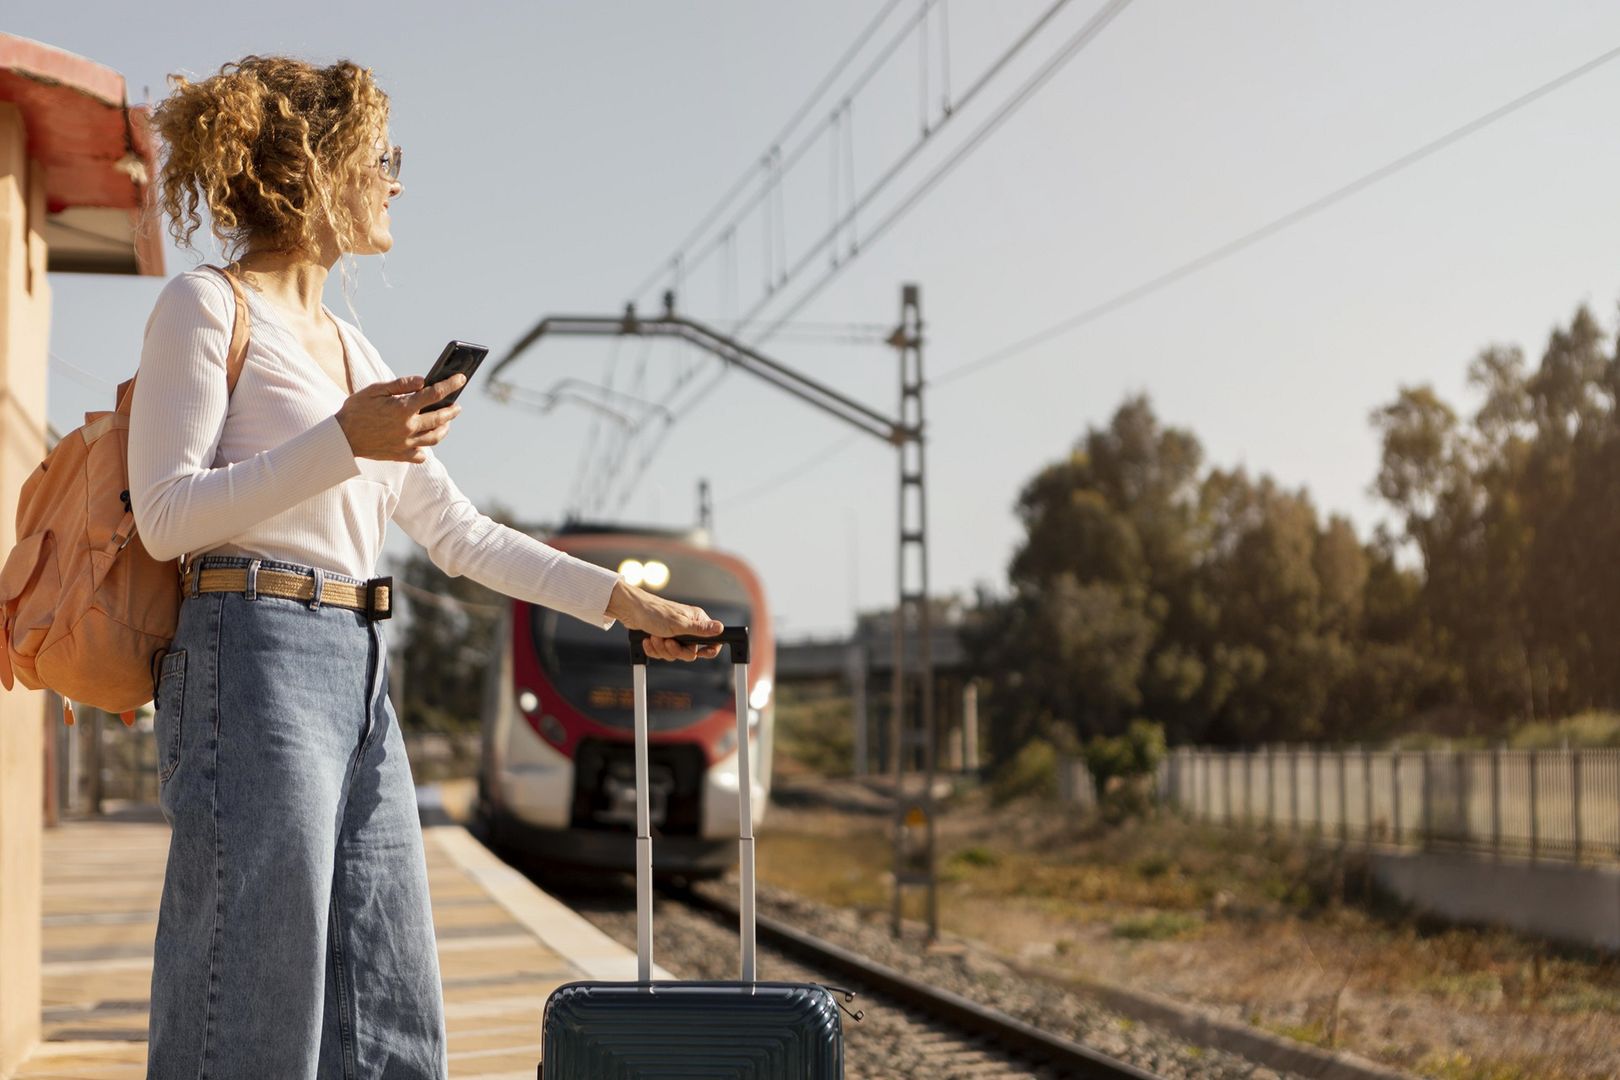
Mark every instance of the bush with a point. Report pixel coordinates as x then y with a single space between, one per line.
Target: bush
1122 766
1135 753
1587 729
1031 773
815 727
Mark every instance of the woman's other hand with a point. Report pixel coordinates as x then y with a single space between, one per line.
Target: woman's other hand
384 421
663 620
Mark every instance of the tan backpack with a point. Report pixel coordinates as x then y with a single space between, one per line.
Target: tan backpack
83 611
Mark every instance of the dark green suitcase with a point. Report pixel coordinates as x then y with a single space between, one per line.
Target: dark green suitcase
743 1030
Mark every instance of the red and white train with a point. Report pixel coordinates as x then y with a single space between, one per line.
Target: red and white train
556 776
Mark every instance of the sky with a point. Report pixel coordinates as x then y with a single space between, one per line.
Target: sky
556 155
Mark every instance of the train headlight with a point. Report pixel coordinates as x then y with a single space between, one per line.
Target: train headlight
528 702
655 575
633 572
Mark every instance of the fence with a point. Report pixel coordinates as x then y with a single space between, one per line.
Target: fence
101 762
99 759
1562 804
1076 789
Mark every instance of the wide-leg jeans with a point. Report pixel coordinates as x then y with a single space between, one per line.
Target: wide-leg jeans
295 934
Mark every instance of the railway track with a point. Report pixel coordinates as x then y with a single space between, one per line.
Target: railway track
950 1034
926 1022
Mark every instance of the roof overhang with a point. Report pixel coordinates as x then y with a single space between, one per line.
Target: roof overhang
96 153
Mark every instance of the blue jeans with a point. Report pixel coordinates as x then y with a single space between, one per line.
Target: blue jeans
295 935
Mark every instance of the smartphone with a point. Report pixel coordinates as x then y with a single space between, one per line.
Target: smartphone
462 356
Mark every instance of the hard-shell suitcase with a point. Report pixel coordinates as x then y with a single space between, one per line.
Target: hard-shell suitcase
743 1030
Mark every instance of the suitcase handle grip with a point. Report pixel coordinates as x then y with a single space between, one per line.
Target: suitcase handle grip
735 637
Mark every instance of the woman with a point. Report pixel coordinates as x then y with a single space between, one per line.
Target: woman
294 936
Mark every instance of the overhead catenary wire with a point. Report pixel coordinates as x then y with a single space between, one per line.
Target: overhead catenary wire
444 600
1249 239
587 460
787 129
788 160
776 480
1216 254
662 435
79 375
770 195
1070 49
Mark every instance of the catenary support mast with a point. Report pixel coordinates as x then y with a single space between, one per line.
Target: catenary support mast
912 733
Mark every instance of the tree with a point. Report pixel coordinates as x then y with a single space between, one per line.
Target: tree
1514 515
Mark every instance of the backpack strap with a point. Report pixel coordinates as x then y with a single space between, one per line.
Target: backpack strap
235 355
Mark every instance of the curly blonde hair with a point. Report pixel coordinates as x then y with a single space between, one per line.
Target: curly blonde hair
270 144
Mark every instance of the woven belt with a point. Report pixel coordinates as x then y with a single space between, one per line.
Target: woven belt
375 597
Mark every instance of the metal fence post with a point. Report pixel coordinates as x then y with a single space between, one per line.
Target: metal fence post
1248 786
1271 787
1366 797
1203 784
1426 840
1575 799
1344 800
1496 801
1464 824
96 769
1535 811
1293 789
1394 791
1316 758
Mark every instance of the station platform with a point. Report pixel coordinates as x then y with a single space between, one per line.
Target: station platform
504 945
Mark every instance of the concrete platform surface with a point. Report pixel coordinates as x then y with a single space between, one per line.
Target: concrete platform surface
504 945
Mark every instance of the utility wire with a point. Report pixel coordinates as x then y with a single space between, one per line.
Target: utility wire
1264 232
743 181
1070 49
443 600
774 167
783 164
791 473
662 435
81 376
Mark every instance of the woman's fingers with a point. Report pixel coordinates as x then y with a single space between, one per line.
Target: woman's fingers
437 392
433 427
381 421
663 648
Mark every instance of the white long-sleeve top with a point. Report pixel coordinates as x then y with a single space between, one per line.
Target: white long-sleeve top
267 472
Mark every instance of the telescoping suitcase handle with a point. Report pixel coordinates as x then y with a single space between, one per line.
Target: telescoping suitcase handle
735 638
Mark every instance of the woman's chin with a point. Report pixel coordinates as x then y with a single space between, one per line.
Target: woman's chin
379 243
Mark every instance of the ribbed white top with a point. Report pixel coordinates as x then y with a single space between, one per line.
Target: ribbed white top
269 473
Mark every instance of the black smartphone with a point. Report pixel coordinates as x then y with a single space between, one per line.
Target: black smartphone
462 356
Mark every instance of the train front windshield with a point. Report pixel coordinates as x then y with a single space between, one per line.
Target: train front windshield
590 667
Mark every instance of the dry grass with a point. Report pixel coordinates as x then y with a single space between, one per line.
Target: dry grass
1267 931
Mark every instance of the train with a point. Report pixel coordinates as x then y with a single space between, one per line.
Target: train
556 779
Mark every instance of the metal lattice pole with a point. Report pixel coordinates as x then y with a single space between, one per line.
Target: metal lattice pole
912 612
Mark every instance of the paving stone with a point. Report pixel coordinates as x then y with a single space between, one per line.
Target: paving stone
502 950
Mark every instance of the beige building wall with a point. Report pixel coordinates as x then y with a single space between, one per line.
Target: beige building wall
25 319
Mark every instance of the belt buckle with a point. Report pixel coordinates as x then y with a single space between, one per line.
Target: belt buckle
371 598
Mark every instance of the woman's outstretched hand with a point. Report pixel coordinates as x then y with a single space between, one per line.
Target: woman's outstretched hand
663 619
384 421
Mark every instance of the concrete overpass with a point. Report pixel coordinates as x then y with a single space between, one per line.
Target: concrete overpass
863 663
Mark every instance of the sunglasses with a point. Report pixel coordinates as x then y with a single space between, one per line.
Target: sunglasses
389 164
